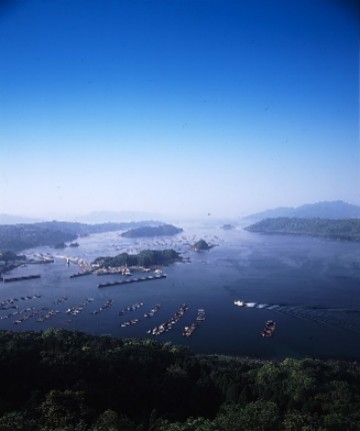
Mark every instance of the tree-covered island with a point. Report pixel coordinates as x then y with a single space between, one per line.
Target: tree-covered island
228 226
201 245
146 258
149 231
23 236
348 229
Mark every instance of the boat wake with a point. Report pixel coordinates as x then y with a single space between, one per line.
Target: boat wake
345 318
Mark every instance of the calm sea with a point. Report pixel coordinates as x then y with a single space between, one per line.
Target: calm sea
309 286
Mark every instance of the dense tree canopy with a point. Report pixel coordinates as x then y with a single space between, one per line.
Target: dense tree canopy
71 381
145 258
201 245
22 236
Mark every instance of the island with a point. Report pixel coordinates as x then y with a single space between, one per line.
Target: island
348 229
145 259
23 236
149 231
228 226
59 245
10 260
201 245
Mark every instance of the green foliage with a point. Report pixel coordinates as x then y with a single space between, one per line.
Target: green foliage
7 256
71 381
145 258
255 416
18 237
342 229
191 424
62 409
201 245
15 421
22 236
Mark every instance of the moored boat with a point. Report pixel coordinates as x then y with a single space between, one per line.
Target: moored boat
269 329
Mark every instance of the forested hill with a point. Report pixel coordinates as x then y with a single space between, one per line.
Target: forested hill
327 210
70 381
144 258
21 236
149 231
343 229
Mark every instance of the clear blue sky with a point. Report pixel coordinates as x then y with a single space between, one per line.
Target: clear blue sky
177 106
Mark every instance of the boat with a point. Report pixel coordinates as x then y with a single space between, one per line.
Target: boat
201 315
189 330
239 303
269 329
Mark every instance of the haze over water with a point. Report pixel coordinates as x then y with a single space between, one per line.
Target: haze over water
309 286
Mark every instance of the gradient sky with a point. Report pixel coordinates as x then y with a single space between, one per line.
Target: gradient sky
177 106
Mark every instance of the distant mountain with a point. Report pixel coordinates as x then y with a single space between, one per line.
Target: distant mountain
14 219
116 217
348 229
326 209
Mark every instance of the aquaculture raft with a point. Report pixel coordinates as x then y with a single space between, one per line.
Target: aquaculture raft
21 278
132 280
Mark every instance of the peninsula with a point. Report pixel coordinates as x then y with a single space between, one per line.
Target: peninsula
348 229
22 236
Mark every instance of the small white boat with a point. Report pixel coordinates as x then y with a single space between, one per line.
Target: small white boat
239 303
245 304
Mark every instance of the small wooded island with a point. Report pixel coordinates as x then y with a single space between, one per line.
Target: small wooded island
202 245
228 226
149 231
146 258
348 229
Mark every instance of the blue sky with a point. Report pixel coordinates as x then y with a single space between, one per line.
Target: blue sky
181 107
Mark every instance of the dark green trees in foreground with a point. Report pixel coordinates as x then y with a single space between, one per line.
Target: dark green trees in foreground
70 381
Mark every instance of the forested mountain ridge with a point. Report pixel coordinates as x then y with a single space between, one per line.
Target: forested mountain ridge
326 209
21 236
342 229
73 381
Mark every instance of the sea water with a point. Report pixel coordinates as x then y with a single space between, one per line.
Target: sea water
309 286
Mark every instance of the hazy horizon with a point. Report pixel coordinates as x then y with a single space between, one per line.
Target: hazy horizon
180 108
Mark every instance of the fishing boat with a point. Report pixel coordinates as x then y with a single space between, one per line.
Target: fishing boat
201 315
269 329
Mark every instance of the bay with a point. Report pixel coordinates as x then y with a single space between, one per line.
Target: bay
309 286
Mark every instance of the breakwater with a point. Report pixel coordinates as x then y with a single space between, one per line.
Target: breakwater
21 278
80 274
132 280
